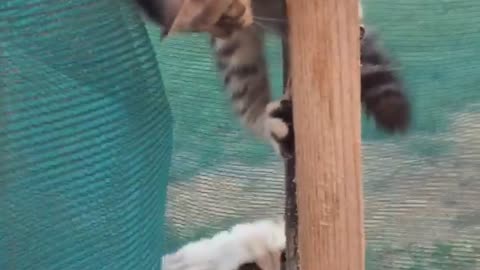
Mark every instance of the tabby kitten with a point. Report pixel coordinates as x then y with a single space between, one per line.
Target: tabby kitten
241 61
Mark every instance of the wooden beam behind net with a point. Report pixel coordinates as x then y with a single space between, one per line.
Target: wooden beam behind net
324 67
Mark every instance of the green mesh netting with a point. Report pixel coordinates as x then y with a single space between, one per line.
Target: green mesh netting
421 191
85 137
85 140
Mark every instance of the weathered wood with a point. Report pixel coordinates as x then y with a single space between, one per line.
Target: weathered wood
326 103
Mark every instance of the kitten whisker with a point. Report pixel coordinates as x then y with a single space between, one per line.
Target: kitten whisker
259 18
265 26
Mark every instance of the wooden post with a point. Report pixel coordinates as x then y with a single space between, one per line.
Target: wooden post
325 62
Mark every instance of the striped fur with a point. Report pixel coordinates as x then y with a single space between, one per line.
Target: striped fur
382 91
241 61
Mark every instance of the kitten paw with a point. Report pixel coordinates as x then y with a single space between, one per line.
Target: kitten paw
280 127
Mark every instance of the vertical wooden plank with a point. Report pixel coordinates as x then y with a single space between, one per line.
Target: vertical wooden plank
324 50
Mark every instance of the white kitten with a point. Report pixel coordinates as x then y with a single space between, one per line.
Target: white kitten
261 242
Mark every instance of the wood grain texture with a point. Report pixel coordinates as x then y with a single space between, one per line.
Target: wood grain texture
326 100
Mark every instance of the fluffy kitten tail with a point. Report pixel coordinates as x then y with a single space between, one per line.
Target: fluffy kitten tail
382 95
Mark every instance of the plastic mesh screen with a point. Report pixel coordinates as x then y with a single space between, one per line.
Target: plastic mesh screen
85 137
85 140
421 190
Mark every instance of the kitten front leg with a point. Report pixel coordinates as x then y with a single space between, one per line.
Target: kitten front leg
242 63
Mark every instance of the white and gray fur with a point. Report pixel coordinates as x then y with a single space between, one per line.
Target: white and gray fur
258 245
241 61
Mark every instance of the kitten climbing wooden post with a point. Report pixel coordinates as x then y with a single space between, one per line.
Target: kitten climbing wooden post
325 62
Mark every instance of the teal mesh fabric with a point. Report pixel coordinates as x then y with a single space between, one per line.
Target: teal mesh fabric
86 134
85 137
220 174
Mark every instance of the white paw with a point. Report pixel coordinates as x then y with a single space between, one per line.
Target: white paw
275 127
278 127
277 131
272 106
